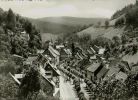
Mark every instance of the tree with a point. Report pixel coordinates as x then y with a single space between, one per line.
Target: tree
106 24
99 24
73 49
30 84
11 20
28 27
116 40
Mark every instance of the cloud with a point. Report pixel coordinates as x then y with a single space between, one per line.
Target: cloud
76 8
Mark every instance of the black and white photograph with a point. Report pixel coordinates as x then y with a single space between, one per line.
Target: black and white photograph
68 49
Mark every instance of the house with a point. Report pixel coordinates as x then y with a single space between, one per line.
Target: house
102 72
30 60
15 79
24 35
101 51
59 47
51 71
46 86
112 72
53 54
51 74
134 68
40 51
94 57
124 66
92 70
78 56
92 50
65 53
121 76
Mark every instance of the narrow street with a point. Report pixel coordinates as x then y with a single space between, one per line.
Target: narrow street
66 90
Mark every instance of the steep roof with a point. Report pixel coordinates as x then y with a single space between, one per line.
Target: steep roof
42 72
102 72
53 51
135 68
67 51
93 67
93 57
30 59
51 82
57 72
101 51
92 50
112 71
59 46
40 51
15 79
121 76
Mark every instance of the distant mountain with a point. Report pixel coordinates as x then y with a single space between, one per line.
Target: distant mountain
57 25
72 20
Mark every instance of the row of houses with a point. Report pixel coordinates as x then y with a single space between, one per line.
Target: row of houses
91 63
94 66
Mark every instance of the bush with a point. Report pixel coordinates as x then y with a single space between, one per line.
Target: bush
7 67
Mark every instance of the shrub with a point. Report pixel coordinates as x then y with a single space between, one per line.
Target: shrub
7 67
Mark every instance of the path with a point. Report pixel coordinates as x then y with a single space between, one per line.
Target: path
66 90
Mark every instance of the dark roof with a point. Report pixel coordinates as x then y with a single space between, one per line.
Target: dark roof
53 68
102 72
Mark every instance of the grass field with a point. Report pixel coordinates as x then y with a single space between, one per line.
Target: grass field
48 36
96 32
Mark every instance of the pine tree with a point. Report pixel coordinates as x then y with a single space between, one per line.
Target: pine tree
30 84
11 20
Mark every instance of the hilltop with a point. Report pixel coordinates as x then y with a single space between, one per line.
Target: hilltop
73 21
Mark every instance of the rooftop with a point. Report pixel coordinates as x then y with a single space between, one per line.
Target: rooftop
93 67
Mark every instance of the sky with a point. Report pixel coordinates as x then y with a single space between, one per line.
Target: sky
57 8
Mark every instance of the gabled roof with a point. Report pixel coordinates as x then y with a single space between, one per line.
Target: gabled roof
67 51
101 51
30 59
59 46
19 76
54 69
89 52
42 72
121 76
112 71
93 67
79 56
51 82
93 57
92 50
15 55
15 79
53 51
102 72
96 48
125 65
135 68
40 51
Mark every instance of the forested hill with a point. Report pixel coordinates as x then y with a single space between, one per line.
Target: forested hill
58 25
17 35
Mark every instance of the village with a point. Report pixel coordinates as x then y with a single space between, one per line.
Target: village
69 56
73 76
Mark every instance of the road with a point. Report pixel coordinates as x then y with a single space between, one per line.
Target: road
66 90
